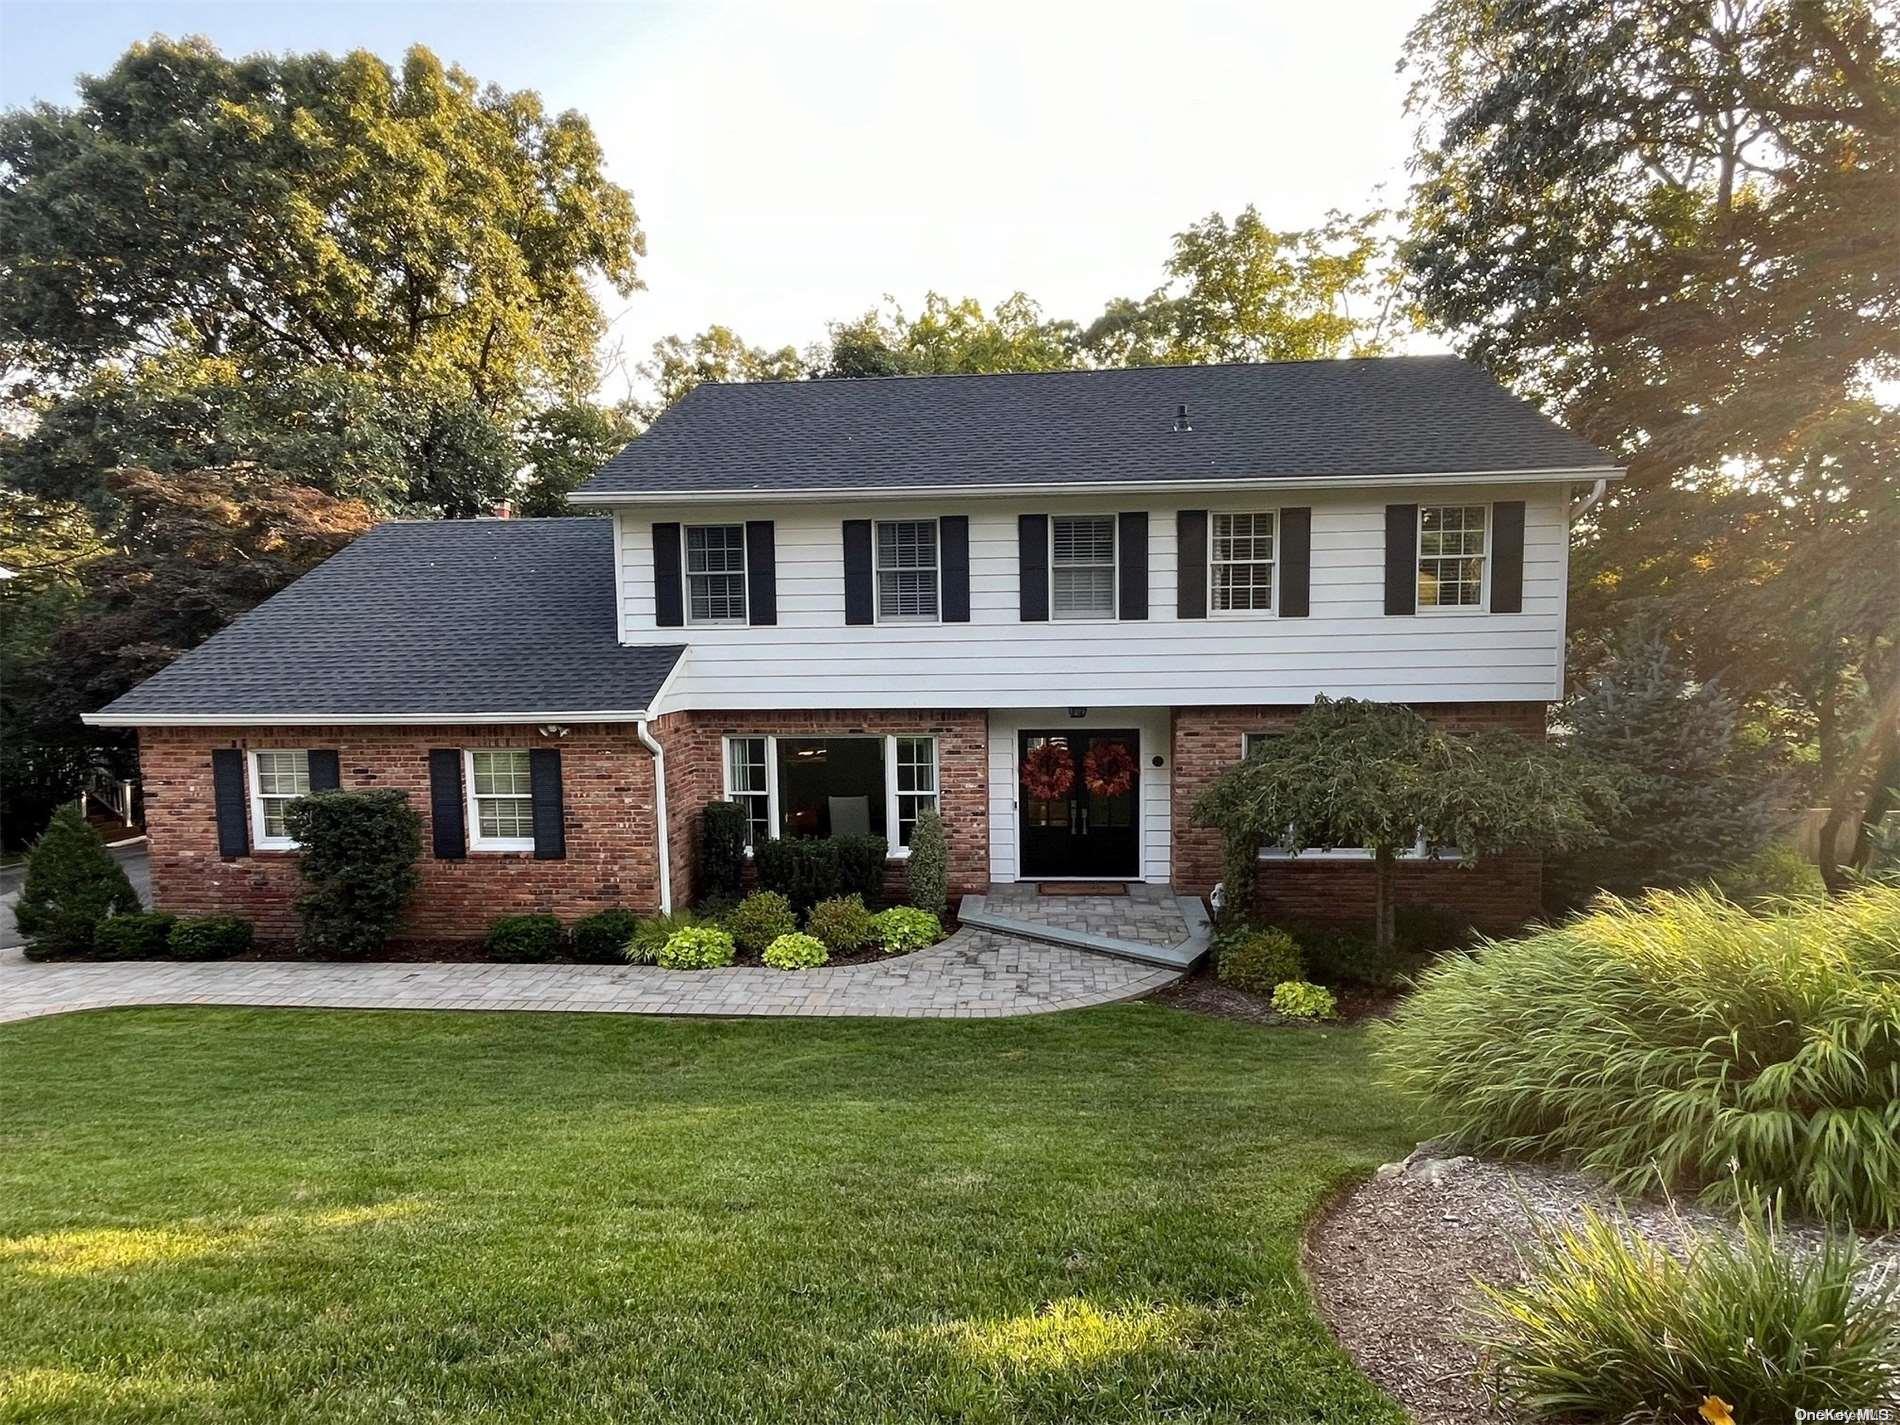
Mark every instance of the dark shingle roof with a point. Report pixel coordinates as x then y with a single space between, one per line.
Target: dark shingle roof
416 618
1374 416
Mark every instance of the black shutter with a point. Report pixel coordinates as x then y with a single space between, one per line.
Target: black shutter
1296 562
953 554
1190 543
445 800
230 798
669 608
544 787
1507 557
1401 559
325 774
1032 565
761 573
1132 552
858 606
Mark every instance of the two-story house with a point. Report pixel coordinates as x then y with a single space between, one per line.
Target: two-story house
1052 606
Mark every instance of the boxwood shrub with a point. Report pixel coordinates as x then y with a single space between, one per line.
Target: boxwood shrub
211 937
809 869
530 938
145 936
1256 958
758 920
723 829
601 938
842 923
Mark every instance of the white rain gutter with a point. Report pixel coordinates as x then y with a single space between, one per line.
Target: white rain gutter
1581 507
661 839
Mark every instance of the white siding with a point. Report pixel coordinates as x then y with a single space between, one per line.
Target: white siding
1347 646
1155 806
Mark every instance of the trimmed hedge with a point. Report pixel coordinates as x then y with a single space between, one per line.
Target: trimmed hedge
809 869
145 936
601 938
212 937
529 938
928 873
358 858
723 829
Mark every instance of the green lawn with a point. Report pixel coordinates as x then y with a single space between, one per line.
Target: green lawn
217 1215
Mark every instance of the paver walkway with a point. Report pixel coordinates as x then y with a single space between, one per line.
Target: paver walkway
1146 914
973 974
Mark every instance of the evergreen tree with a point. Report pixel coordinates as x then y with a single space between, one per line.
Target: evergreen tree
72 883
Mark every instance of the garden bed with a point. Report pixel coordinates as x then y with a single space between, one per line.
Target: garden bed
1202 993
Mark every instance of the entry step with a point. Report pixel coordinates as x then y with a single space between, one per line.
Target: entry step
976 911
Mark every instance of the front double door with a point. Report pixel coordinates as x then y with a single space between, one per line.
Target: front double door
1081 833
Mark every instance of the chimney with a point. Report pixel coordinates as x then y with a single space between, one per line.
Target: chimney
1181 418
502 510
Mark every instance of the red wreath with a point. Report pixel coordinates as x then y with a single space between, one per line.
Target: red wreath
1109 769
1048 772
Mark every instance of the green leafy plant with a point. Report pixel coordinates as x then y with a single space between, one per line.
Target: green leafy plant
809 869
601 938
144 936
723 829
1256 958
358 862
902 929
760 919
1770 879
1680 1041
928 871
652 932
796 952
532 938
212 937
1297 999
1610 1326
72 884
696 947
842 923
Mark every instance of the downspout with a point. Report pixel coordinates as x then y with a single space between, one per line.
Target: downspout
1579 508
659 812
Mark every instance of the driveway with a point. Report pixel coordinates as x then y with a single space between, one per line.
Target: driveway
137 865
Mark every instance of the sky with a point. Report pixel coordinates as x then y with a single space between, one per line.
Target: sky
793 163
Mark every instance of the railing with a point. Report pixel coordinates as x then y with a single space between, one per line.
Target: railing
120 798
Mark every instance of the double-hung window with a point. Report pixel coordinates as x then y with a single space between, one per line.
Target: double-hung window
1240 557
916 767
1452 545
278 777
832 786
501 804
907 570
1082 566
715 573
746 784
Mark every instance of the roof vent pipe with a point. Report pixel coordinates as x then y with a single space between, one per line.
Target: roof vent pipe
1180 418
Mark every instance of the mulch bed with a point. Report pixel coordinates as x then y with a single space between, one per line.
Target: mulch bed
1202 993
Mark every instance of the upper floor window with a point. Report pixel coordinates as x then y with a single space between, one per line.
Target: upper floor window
907 569
501 805
1082 566
715 573
1452 545
1241 557
278 776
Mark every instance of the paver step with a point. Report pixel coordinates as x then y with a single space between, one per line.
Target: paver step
975 911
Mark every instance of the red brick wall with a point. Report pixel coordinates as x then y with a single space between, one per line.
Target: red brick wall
607 786
695 775
1498 894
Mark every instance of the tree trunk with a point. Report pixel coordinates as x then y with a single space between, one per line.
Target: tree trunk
1382 863
1856 788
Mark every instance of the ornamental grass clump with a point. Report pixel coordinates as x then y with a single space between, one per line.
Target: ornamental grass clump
1610 1326
1680 1041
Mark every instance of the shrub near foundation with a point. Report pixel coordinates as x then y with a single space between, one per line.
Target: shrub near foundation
696 947
842 923
72 884
357 856
1679 1041
758 920
146 936
796 952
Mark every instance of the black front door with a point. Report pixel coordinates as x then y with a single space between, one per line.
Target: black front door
1079 812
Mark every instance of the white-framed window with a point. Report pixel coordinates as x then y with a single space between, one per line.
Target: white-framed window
500 799
1417 851
1081 566
905 555
1453 545
859 784
715 573
747 784
278 776
1240 559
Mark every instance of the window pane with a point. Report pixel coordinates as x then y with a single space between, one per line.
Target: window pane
831 786
501 774
1083 539
1082 593
1451 555
274 817
509 818
714 597
907 544
715 548
907 593
283 774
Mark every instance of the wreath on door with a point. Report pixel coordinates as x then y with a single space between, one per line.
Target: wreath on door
1109 769
1048 772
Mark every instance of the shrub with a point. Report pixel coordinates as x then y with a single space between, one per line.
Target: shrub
862 864
809 869
929 867
1429 930
903 928
796 952
760 919
145 936
1351 958
1297 999
1256 958
651 934
1772 877
211 937
723 829
601 938
1610 1326
72 884
696 947
1679 1040
358 860
842 923
531 938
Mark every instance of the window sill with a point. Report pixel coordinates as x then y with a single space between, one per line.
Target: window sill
1448 857
525 849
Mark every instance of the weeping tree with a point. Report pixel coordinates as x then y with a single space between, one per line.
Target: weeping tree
1379 776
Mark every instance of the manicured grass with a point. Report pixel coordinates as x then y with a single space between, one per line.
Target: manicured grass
218 1215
